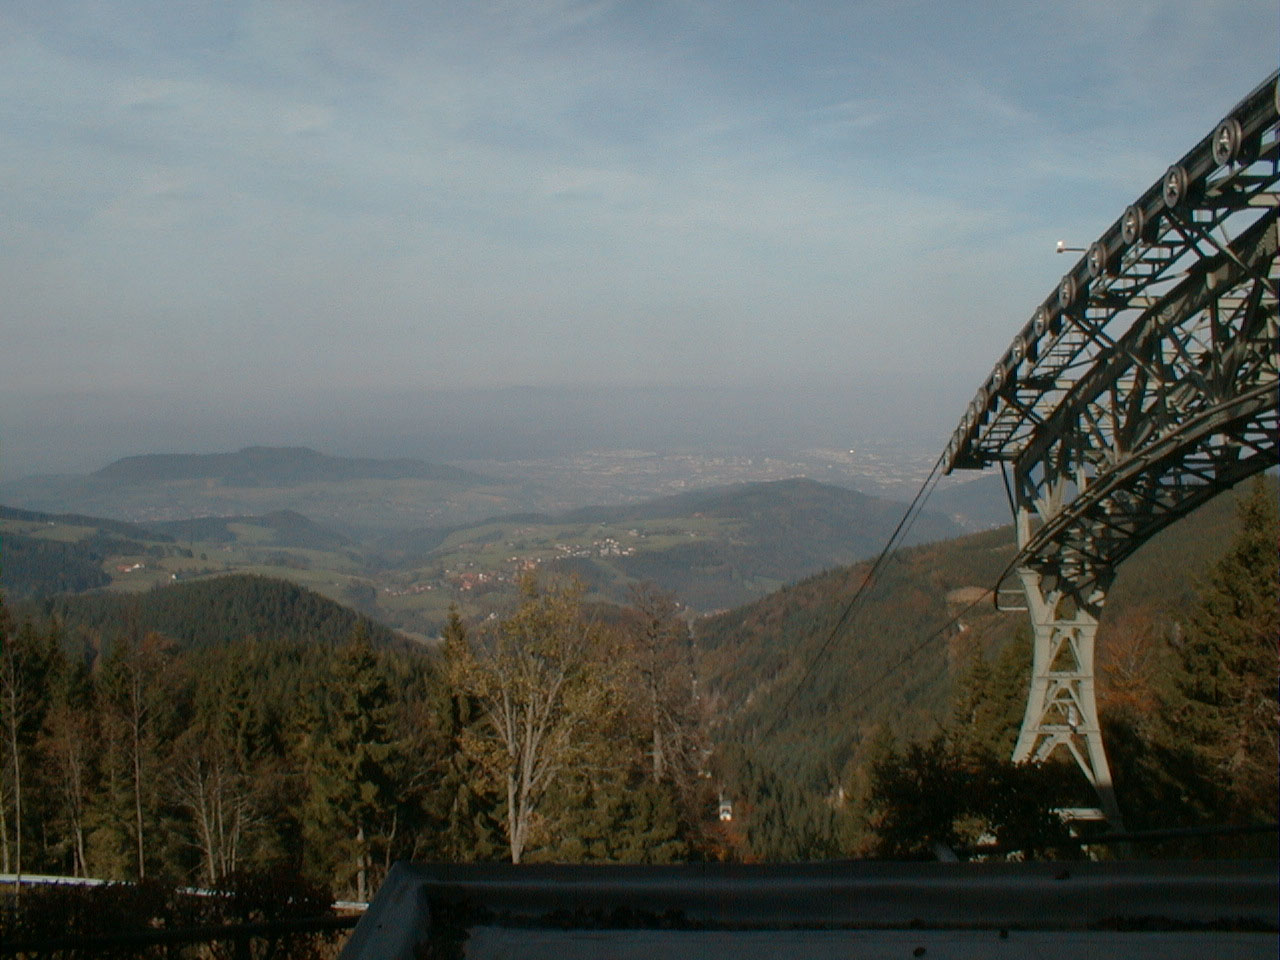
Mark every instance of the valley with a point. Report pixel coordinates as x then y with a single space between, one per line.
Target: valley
404 540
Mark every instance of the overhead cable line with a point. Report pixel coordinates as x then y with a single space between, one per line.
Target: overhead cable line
890 548
919 646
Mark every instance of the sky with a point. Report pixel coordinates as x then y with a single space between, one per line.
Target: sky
252 215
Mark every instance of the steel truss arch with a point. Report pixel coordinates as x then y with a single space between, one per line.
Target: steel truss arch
1144 385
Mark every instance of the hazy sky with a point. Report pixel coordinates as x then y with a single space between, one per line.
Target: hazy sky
220 200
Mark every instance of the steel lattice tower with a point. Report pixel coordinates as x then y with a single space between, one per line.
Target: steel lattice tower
1144 385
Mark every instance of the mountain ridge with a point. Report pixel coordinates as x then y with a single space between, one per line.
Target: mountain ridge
275 466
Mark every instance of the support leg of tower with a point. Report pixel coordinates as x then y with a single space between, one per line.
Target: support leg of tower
1062 712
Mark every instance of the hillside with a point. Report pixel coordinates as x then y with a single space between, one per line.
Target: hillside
276 466
43 554
712 548
208 612
784 530
35 518
978 503
887 668
32 567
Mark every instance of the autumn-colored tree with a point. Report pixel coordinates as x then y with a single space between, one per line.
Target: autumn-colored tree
133 692
1130 663
662 651
545 689
69 745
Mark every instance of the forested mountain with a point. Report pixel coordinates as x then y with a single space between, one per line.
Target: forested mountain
275 466
30 567
712 548
812 719
788 528
796 501
205 612
238 723
975 504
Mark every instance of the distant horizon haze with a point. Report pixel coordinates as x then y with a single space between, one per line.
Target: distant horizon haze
728 225
80 433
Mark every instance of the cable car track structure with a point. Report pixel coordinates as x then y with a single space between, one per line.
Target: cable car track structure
1144 385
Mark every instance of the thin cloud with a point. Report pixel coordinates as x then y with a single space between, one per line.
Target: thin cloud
433 192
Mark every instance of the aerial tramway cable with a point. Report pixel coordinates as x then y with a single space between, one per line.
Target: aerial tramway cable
890 550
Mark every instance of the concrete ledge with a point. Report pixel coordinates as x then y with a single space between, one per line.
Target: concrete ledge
1134 897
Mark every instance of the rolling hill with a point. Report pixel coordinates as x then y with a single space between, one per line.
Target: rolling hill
287 528
43 554
712 548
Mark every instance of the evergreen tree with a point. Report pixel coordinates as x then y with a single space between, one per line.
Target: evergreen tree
615 816
225 774
1225 705
990 699
351 796
466 807
936 793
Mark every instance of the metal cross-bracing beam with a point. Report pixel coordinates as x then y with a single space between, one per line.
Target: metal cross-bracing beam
1146 384
1182 408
